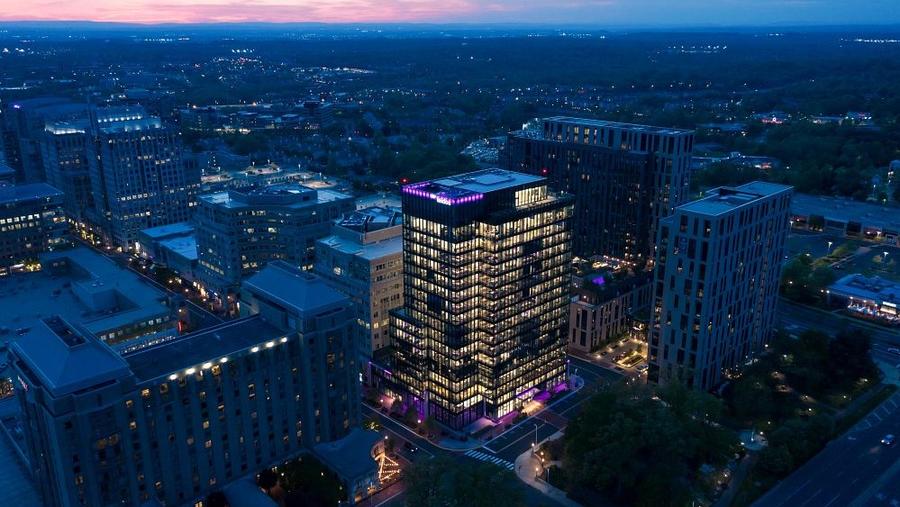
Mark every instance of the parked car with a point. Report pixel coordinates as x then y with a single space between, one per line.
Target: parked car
888 440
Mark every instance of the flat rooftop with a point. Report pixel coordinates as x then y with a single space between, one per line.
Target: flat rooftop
469 186
163 231
6 171
15 194
185 246
838 209
383 199
295 289
195 349
66 358
616 125
282 194
39 295
368 251
372 219
351 456
874 289
129 125
726 199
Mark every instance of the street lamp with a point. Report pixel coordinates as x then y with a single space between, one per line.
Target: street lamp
829 246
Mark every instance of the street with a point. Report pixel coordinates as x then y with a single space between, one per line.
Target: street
503 450
794 318
854 469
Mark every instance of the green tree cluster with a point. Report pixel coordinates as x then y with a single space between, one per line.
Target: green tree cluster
638 447
803 281
446 482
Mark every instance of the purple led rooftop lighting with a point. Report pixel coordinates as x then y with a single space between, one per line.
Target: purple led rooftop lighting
599 280
440 197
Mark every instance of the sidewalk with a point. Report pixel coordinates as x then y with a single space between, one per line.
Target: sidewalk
890 373
528 467
740 474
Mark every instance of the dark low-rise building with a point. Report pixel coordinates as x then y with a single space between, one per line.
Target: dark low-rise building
604 307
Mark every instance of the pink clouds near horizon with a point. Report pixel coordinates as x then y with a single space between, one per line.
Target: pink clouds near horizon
230 11
595 12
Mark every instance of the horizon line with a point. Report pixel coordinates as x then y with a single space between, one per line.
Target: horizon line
522 24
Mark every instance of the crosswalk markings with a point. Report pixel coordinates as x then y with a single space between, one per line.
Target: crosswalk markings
489 459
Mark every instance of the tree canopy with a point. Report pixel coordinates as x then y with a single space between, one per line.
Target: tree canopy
638 448
445 482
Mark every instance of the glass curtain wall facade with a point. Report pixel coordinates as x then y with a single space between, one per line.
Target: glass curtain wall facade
486 274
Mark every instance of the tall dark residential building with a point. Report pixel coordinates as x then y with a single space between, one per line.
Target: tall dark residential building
486 273
624 177
173 422
716 283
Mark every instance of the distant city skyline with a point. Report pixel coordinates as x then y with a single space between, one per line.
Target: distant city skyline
582 12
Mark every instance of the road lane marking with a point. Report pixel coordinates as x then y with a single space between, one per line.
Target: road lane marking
810 497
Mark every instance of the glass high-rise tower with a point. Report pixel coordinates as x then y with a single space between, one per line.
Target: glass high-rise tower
486 290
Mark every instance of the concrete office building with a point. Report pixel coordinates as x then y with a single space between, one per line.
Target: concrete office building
318 114
111 302
624 177
486 264
7 174
22 129
32 222
321 318
363 257
64 152
716 283
65 146
88 289
139 179
176 421
240 230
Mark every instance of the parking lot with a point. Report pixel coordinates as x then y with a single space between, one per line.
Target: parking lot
874 262
814 243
